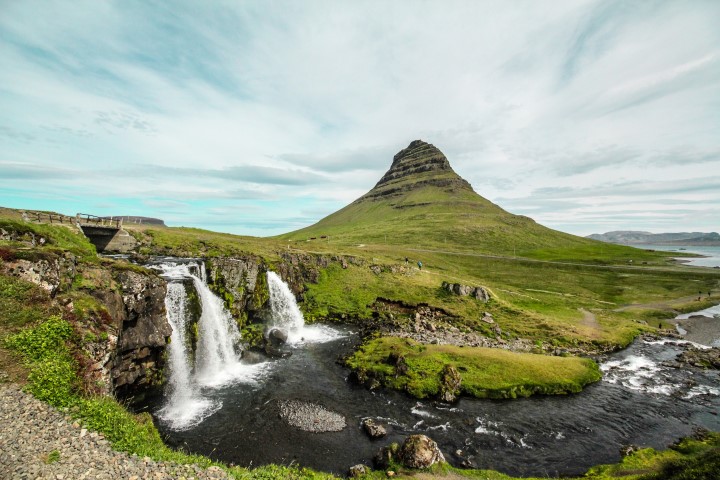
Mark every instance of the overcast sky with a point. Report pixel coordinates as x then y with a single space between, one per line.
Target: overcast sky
260 117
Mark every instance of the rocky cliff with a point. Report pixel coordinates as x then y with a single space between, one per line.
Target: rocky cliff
420 164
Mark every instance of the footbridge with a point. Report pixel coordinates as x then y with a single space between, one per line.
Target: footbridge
106 233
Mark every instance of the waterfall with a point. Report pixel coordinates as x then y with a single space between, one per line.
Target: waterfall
216 361
184 407
217 336
285 313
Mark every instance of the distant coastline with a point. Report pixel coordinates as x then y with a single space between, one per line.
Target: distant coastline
637 238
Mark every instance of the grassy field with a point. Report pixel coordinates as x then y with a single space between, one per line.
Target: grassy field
484 372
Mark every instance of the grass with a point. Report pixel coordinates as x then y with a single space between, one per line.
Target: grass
485 372
57 237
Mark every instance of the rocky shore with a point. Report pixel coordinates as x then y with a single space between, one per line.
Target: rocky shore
39 442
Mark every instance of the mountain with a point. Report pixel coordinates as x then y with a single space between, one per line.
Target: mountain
422 202
629 237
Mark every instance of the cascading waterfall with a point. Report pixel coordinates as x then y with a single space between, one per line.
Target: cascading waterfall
216 361
284 309
285 314
184 407
217 336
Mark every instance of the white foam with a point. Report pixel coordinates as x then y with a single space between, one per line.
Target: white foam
314 334
702 390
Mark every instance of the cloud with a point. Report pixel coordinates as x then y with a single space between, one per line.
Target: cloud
288 110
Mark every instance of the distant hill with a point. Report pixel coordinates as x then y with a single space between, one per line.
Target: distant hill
128 219
624 237
422 202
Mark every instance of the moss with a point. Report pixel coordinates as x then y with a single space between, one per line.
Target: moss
261 294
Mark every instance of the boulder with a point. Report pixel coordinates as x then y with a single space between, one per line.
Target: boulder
419 451
277 336
384 457
373 428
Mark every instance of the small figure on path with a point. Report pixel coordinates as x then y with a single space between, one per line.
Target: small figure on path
406 260
420 265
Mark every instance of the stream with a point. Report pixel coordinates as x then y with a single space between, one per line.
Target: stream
639 401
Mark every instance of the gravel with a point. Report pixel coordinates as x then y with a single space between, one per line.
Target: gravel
39 442
311 417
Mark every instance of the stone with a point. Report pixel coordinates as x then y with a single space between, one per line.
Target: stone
450 384
384 457
277 336
373 428
419 451
358 471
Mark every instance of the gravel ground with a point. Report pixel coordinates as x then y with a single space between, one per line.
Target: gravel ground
38 442
701 329
311 417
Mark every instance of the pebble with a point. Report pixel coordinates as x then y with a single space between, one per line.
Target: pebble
30 431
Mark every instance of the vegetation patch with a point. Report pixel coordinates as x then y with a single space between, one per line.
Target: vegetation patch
421 369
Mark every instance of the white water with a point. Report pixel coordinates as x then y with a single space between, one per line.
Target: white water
185 407
217 336
216 362
285 313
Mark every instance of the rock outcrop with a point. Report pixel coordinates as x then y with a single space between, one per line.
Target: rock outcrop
478 293
143 334
420 164
52 272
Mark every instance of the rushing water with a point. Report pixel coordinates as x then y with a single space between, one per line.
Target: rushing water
640 401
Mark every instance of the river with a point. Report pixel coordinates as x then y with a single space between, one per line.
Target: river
639 401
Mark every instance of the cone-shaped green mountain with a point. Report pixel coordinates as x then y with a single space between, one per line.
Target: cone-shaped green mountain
422 202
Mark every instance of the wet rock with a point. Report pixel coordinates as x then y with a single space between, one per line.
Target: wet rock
450 384
277 336
277 352
699 358
252 357
419 451
627 450
373 428
358 471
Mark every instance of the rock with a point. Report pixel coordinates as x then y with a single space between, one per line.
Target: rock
384 457
358 471
450 384
252 357
478 293
373 428
277 352
277 336
627 450
419 451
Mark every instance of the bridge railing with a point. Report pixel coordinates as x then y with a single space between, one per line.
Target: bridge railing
94 220
46 217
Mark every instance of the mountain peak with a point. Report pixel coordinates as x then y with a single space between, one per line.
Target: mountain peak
419 164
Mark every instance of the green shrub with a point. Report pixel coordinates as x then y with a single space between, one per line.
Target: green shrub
43 341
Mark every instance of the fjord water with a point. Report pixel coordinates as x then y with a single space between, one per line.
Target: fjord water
639 401
710 258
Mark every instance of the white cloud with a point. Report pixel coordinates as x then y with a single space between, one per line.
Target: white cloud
287 110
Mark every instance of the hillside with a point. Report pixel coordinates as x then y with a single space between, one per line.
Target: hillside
625 237
422 202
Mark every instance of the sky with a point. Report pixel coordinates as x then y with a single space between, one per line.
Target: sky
261 117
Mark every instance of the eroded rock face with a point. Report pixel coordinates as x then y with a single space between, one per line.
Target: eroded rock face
419 451
143 334
420 164
51 272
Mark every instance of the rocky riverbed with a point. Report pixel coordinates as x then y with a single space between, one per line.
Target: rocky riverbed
39 442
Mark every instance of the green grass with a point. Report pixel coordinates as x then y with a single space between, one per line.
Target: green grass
485 372
58 237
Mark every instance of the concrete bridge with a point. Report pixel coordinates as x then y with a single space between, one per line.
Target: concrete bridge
105 233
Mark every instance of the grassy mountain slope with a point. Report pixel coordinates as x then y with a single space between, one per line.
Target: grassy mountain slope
422 202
